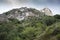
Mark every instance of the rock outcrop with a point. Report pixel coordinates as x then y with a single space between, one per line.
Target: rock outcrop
47 11
23 13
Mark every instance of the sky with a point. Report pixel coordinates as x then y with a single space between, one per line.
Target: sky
53 5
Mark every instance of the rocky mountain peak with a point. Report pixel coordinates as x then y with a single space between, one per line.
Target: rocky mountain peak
24 13
47 11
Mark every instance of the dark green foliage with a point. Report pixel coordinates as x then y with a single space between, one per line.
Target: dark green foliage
33 28
48 20
57 16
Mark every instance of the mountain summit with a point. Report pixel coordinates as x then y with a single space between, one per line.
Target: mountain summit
24 13
47 11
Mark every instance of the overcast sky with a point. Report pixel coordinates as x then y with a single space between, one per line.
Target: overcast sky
6 5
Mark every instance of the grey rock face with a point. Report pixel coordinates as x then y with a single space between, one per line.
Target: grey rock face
47 11
23 13
3 17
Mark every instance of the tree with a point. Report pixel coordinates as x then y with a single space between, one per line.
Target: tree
48 20
57 16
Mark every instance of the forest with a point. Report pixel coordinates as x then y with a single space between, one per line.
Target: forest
47 28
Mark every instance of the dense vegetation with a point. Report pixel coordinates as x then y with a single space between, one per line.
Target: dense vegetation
47 28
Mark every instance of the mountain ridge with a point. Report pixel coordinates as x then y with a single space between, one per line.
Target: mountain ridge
24 12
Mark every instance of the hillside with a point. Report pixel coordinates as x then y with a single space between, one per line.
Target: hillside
29 24
23 13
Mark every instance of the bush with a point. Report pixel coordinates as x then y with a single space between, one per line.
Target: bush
48 20
57 16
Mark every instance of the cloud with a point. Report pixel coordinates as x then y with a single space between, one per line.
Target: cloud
6 5
28 2
14 1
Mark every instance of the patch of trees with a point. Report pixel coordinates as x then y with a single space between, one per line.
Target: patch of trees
31 29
